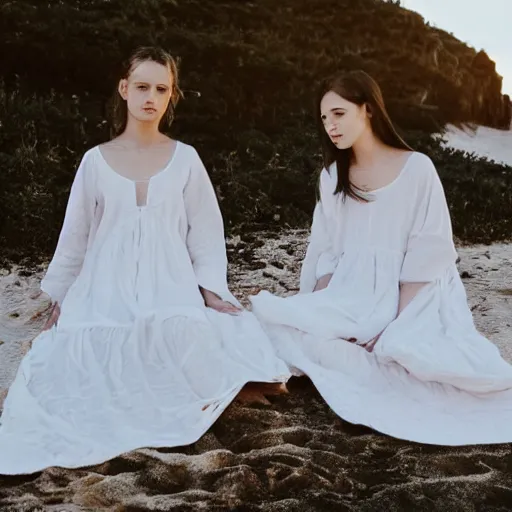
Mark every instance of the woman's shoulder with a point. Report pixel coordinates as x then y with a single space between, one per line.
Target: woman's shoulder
187 149
88 158
422 161
422 176
421 157
422 168
105 147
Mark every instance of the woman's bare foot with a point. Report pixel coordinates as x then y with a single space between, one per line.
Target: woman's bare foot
257 392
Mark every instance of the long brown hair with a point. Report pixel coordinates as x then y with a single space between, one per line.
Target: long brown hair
360 88
118 108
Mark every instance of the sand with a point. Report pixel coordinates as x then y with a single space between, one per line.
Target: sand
291 455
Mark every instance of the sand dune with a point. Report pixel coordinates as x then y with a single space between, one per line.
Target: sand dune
487 142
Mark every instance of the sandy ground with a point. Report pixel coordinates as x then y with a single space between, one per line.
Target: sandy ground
293 455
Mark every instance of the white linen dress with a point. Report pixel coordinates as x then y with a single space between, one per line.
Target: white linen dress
432 377
136 358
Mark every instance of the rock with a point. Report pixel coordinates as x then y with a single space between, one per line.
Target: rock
256 265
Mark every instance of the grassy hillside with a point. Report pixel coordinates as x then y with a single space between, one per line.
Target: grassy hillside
255 64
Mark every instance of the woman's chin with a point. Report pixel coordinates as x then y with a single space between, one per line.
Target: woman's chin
341 144
148 119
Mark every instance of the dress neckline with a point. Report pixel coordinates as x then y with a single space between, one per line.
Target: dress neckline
395 180
145 180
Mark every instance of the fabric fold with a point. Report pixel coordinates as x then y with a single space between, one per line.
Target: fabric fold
432 377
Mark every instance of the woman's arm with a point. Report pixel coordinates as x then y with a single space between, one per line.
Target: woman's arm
205 239
320 261
430 249
73 240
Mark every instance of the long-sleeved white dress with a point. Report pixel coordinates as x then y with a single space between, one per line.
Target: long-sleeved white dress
136 359
432 377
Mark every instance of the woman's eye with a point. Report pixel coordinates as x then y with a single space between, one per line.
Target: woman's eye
339 114
141 87
162 89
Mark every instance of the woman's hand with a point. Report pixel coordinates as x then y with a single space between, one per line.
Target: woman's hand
213 301
223 306
323 282
54 316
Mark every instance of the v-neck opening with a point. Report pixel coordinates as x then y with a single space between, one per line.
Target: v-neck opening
141 188
146 180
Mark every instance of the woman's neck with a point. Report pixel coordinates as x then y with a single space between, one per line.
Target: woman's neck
142 135
367 150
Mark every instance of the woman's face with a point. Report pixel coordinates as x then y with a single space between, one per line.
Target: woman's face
147 91
343 120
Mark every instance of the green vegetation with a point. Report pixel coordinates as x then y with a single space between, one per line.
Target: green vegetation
255 65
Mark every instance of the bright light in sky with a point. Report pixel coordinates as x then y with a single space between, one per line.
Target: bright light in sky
482 25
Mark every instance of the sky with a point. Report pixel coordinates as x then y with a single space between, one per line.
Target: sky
484 25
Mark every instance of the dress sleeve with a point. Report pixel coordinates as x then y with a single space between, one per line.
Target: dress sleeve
73 239
430 249
205 237
320 258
